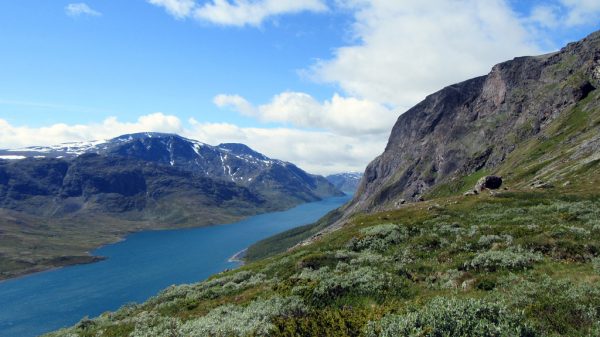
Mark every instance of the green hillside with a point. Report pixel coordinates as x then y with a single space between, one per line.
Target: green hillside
514 264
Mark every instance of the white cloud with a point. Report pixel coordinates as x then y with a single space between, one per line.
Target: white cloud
341 115
406 50
546 16
566 13
237 12
242 12
315 151
79 9
20 136
238 103
178 8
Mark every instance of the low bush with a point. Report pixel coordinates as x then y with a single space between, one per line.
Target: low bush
558 307
254 319
503 259
454 317
596 264
486 241
378 238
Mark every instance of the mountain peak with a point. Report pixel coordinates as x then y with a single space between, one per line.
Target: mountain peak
242 150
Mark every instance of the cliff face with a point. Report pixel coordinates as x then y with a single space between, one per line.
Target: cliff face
475 125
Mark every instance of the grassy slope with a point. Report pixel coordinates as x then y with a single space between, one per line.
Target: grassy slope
523 262
29 244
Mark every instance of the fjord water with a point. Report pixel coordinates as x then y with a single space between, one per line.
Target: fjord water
137 268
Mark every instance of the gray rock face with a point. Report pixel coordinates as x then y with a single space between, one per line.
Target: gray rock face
475 124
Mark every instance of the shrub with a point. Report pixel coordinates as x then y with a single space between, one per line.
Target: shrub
150 324
453 317
220 286
504 259
579 232
596 264
254 319
330 285
487 240
450 229
558 307
450 279
378 238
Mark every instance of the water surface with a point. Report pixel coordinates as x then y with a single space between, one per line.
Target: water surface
137 268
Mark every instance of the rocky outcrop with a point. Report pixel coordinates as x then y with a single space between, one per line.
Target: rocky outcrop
474 125
488 183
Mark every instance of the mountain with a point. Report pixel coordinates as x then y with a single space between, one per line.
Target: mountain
98 191
528 119
411 255
234 163
346 182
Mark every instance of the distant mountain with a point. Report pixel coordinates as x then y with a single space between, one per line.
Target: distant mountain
144 180
346 182
236 163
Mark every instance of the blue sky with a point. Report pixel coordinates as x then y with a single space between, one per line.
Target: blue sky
136 59
316 82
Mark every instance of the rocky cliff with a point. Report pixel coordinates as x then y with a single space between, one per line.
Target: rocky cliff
475 126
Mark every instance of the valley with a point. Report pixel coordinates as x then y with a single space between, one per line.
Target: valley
61 202
416 252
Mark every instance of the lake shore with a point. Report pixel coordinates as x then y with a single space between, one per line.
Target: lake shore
239 256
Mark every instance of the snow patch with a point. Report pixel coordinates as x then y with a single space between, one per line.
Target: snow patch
12 157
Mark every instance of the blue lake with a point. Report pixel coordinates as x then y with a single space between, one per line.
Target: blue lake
136 269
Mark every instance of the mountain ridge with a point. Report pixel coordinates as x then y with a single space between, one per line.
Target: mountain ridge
346 181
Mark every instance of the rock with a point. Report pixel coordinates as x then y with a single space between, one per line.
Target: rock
434 207
468 284
488 183
472 192
541 184
400 202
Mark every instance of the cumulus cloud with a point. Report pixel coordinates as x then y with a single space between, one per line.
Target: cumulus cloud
320 152
341 115
177 8
581 12
20 136
405 50
566 13
241 12
237 12
80 9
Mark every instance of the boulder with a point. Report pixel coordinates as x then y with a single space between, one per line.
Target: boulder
488 183
541 184
471 192
400 202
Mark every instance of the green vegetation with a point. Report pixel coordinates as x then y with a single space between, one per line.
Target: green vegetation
456 186
512 264
281 242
